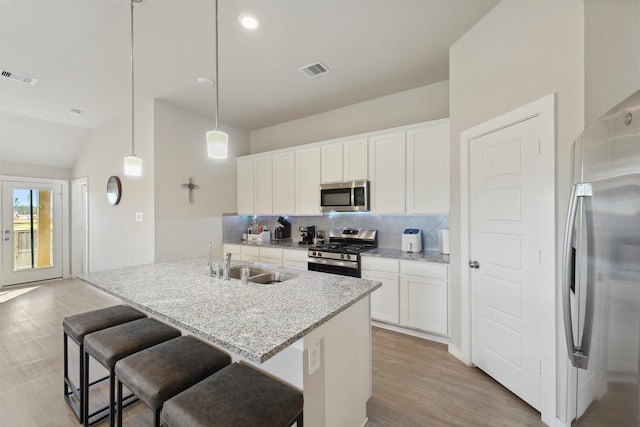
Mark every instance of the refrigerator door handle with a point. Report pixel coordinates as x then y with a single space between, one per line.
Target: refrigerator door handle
578 354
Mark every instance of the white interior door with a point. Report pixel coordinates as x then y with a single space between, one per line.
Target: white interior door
506 194
31 232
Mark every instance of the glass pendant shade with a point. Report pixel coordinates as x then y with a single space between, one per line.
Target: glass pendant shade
217 143
133 166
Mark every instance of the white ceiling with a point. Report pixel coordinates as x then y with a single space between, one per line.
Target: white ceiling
79 50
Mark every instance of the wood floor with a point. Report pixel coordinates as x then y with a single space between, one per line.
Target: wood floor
416 382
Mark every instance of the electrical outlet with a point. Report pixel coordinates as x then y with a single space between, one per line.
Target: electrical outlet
314 357
139 216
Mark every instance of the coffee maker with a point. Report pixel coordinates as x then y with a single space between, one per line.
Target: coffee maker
284 231
307 232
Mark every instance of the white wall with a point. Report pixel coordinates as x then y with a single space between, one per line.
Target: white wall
519 52
422 104
30 171
183 229
612 54
115 238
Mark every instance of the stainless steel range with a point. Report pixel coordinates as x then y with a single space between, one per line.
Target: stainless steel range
341 255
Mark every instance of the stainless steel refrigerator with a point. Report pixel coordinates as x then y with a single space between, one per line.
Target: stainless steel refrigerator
601 272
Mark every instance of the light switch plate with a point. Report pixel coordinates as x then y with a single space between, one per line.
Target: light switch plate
314 357
139 216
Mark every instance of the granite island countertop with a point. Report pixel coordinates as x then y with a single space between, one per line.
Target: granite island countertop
253 320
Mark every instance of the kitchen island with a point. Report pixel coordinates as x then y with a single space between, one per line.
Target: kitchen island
311 331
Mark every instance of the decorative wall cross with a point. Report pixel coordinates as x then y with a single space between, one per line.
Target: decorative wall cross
191 186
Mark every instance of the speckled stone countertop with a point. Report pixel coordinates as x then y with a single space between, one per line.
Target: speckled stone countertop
284 244
405 256
255 321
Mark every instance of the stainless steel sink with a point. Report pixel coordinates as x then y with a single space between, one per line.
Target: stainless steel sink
236 272
270 277
260 276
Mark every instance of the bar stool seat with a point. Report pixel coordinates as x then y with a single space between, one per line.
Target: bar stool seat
110 345
160 372
235 396
77 327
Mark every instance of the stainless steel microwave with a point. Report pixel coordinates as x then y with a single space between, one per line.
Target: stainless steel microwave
352 196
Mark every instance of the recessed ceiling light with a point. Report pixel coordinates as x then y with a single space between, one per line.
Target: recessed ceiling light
205 81
249 21
75 112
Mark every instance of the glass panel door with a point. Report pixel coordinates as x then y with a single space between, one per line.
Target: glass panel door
31 236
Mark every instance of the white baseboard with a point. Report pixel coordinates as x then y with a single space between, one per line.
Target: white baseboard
424 335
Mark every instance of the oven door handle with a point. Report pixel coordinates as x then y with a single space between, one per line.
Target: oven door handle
337 263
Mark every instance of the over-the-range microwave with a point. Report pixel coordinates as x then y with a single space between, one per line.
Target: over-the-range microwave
352 196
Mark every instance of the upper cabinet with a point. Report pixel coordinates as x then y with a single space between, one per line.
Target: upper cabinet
307 181
263 185
387 167
344 161
408 169
245 186
428 169
284 183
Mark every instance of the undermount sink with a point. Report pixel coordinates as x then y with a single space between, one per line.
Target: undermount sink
270 277
260 276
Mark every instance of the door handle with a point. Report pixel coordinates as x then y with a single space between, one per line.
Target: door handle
578 353
474 264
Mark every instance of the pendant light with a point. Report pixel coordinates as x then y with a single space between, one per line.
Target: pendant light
132 163
217 141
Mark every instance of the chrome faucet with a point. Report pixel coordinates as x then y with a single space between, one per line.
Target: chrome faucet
226 266
214 269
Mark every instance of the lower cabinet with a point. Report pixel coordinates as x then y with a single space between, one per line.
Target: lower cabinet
385 300
271 256
423 296
249 253
293 258
414 294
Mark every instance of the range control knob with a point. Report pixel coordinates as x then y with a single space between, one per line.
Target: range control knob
348 256
313 253
342 256
319 253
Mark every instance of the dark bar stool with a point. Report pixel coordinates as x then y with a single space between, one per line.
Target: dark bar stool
235 396
160 372
110 345
76 327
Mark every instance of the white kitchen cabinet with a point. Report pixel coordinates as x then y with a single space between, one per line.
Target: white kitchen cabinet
427 164
307 181
385 305
234 249
245 190
387 173
331 163
424 296
263 185
271 256
344 161
284 183
355 160
293 258
249 253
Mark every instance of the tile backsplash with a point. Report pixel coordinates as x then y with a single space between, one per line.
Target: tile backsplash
389 227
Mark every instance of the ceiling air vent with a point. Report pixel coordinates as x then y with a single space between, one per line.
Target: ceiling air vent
314 70
18 77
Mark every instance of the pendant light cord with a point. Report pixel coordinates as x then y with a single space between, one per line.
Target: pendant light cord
217 82
133 111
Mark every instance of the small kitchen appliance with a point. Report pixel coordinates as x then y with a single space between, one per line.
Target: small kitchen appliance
341 255
284 231
412 240
307 233
352 196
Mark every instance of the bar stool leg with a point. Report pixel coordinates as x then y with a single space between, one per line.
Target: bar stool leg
119 410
